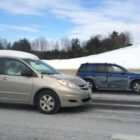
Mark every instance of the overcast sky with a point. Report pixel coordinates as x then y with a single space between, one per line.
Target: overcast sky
56 19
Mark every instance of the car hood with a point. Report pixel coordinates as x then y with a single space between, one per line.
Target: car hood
72 79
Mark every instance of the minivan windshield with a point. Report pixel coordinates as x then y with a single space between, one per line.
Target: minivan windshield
41 67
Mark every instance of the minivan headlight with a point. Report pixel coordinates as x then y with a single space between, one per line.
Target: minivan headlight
68 84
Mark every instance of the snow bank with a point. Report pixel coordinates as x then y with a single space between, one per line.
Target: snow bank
128 57
19 54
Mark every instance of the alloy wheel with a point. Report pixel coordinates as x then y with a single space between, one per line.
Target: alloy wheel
136 87
47 103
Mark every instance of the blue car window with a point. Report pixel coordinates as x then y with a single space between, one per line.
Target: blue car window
83 68
115 69
100 68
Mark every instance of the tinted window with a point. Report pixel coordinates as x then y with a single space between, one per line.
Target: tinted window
83 68
13 67
99 68
115 69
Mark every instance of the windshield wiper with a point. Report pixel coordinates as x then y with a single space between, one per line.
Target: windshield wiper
47 73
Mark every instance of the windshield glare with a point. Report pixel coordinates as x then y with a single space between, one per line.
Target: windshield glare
41 67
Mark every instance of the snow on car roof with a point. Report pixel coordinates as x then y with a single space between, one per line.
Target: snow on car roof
17 54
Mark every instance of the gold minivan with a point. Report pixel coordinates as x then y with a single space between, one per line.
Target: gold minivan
28 80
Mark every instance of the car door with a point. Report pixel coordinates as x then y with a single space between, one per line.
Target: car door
117 77
1 78
100 75
17 88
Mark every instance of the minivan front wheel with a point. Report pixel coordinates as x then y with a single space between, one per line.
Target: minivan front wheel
48 102
136 86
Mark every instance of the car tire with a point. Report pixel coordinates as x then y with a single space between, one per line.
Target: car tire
91 84
136 86
48 102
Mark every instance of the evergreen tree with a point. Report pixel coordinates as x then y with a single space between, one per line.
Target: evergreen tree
22 45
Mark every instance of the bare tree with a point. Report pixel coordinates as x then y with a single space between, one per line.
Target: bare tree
66 44
40 44
4 44
128 37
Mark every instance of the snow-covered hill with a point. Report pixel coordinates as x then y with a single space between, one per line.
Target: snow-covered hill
128 57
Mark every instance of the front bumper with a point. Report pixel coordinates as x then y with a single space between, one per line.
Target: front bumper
73 97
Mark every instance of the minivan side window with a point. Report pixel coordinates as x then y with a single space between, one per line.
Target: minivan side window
13 67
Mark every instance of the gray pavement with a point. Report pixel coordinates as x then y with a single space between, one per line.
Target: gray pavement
109 117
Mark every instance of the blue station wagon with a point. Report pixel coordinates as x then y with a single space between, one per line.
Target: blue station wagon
109 77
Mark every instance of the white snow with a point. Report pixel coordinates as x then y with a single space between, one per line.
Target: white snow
128 57
18 54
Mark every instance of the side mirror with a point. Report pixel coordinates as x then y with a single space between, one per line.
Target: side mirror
124 72
27 73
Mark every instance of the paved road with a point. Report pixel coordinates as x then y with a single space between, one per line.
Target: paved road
113 116
116 100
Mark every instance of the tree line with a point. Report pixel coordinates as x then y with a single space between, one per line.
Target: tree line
70 48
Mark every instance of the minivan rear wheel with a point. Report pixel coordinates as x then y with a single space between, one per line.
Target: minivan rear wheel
48 102
136 86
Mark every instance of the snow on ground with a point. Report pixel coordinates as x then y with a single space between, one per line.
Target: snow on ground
19 54
128 57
